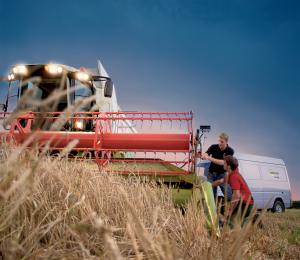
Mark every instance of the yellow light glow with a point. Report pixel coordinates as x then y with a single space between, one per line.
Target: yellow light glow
82 76
79 124
11 76
20 70
54 69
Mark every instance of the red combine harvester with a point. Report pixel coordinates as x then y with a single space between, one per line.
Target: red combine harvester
60 107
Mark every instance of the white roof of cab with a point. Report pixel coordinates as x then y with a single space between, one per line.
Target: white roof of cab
258 158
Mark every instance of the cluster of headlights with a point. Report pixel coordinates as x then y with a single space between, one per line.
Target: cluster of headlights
53 69
20 70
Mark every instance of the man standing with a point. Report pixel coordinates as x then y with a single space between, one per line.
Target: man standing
241 197
216 154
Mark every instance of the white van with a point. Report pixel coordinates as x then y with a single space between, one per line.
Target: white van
268 181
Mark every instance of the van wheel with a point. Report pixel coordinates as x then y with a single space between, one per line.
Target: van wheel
278 207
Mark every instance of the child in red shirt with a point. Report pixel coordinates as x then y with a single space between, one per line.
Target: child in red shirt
241 194
237 183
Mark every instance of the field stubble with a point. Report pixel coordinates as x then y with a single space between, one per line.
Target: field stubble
61 209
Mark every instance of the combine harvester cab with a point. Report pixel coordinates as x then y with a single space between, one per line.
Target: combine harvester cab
59 105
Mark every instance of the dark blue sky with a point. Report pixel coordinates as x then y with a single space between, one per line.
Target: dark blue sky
236 64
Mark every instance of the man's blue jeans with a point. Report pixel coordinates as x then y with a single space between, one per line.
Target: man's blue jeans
211 177
225 188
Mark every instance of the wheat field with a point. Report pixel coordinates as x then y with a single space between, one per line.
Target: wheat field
61 209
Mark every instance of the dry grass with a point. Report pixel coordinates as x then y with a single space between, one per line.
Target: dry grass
280 237
60 209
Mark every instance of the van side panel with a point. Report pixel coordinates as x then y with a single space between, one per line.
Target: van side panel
275 184
273 181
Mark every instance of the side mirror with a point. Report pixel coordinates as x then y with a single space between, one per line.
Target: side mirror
108 89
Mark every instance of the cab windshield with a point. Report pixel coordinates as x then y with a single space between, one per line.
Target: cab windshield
44 87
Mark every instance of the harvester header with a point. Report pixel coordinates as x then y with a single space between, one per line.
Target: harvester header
127 142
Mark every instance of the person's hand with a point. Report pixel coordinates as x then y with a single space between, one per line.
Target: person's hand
205 156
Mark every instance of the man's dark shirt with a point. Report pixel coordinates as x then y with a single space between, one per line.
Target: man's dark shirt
215 152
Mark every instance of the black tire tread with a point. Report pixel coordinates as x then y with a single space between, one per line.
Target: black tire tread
275 203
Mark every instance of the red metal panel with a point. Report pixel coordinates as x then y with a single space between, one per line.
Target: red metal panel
62 139
145 141
113 141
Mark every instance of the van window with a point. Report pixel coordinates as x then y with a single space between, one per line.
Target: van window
250 171
271 172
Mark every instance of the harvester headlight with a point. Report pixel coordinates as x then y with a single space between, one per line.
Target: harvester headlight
53 69
79 125
82 76
20 70
11 77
